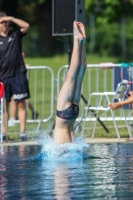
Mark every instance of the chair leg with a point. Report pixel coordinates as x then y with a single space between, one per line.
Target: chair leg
76 128
127 124
38 126
94 128
83 126
118 135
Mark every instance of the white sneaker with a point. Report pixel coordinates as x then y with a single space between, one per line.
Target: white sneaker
11 122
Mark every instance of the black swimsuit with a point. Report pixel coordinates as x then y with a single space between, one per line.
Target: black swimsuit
69 113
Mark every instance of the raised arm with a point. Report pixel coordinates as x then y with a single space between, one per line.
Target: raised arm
23 25
116 105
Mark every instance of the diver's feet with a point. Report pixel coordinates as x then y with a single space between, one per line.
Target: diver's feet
82 29
77 31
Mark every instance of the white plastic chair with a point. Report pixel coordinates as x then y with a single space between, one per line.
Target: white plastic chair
118 95
2 105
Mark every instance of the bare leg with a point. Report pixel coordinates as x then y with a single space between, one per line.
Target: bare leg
81 72
13 109
22 115
30 106
63 128
67 91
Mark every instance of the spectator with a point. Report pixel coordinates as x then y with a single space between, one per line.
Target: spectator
117 105
30 106
12 68
14 116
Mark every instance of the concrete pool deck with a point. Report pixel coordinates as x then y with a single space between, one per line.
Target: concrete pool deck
87 140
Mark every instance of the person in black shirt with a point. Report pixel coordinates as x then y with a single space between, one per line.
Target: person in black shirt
12 68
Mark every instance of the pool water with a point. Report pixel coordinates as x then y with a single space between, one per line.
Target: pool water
27 173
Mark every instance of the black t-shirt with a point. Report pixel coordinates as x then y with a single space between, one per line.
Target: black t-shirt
11 60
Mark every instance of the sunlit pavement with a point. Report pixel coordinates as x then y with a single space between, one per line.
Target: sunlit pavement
106 140
15 143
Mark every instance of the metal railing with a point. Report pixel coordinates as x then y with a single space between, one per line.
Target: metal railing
41 80
98 78
40 107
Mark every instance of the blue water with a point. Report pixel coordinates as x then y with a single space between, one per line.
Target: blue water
43 172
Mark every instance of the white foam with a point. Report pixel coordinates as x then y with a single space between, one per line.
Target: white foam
66 151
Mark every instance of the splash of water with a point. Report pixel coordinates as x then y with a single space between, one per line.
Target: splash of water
63 152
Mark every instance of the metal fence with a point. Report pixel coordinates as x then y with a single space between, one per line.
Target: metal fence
41 83
44 88
98 78
40 107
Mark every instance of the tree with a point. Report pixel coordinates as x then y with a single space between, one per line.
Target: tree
109 11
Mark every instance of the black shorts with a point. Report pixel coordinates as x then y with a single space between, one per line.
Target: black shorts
17 87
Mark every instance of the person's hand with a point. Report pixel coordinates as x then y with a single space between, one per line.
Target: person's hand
110 106
115 105
5 19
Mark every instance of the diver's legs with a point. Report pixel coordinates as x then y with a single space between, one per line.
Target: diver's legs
67 91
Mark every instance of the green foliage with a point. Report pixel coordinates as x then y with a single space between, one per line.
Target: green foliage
129 36
107 13
107 40
110 10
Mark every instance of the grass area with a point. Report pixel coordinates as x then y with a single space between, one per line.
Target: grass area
100 132
55 63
